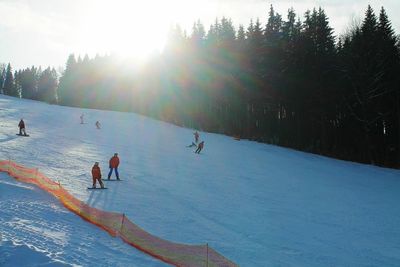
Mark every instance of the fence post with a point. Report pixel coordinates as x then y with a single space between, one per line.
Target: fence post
207 254
36 174
9 166
122 222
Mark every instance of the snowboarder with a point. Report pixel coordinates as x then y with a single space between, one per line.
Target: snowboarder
200 147
97 124
21 126
196 137
81 118
114 163
96 174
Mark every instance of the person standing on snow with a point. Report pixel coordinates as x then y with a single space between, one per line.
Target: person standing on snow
114 163
97 124
196 137
21 126
200 147
96 175
81 118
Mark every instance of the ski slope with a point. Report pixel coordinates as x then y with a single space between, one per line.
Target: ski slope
256 204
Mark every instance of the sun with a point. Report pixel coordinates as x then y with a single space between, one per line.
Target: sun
126 28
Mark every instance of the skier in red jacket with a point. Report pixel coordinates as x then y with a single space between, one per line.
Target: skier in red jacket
114 163
96 175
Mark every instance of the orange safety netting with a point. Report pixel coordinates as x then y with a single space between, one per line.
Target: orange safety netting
118 225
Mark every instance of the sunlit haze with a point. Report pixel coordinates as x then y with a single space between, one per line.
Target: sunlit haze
45 32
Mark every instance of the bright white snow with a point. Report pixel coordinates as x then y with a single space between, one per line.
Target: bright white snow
257 204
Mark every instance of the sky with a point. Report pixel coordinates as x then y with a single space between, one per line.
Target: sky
44 32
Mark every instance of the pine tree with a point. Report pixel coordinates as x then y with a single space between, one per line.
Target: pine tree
66 90
198 33
17 84
47 85
29 83
274 25
2 77
9 86
362 74
241 35
389 66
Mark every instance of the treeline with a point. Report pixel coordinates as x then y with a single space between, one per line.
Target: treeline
290 82
31 83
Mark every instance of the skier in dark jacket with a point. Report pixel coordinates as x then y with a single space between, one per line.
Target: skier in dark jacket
21 126
200 147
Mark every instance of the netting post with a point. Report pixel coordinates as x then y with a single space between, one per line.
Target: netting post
9 165
207 254
122 222
37 170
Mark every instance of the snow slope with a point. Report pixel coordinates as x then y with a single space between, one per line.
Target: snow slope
257 204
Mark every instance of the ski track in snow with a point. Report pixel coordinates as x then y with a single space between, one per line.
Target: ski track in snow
257 204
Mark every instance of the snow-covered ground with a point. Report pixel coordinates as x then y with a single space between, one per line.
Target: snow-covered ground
257 204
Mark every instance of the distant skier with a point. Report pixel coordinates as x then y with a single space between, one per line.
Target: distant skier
199 147
196 137
96 174
114 163
81 118
97 124
21 126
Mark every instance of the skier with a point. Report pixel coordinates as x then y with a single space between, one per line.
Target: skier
21 126
114 163
98 124
200 147
81 118
196 137
96 174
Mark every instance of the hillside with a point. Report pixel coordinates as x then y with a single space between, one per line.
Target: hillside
256 204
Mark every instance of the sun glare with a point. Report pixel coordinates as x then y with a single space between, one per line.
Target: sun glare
126 28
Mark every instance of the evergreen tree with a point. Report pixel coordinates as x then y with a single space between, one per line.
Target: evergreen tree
388 127
17 85
28 83
198 33
2 77
241 35
9 86
363 80
66 90
47 85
